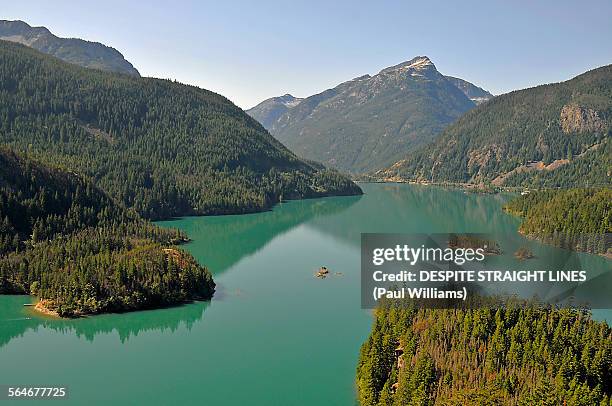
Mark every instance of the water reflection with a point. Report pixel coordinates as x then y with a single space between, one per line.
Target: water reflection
222 241
416 209
16 320
218 242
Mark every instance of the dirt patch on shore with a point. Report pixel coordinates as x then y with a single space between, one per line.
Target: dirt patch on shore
43 307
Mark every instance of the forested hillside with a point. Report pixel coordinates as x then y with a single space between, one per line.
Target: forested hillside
514 355
65 241
160 147
551 136
579 219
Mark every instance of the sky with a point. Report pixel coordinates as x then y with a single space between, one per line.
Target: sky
252 50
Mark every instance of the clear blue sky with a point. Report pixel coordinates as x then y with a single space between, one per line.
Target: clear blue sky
252 50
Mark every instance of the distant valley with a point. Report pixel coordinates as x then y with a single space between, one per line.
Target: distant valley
370 121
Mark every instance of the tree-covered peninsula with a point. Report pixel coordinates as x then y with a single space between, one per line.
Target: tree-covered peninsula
160 147
578 219
514 355
70 244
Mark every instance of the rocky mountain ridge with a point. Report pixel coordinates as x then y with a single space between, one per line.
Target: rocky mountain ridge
93 55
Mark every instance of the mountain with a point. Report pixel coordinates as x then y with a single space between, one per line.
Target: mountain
73 50
476 94
67 242
371 121
551 135
160 147
269 110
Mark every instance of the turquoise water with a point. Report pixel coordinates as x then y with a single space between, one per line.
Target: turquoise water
273 333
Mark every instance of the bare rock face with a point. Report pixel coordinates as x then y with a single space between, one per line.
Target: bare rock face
480 158
577 119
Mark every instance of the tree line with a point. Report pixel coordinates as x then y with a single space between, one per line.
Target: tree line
578 219
516 354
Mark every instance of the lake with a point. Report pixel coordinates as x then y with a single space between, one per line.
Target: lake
273 333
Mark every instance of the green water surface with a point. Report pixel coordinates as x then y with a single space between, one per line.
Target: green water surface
273 333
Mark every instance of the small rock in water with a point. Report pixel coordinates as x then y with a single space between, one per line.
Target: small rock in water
523 253
322 272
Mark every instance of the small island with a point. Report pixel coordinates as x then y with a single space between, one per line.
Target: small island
523 253
490 247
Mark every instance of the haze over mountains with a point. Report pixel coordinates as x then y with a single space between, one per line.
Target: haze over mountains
268 111
476 94
370 121
88 54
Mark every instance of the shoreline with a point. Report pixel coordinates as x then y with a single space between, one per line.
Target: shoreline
476 187
265 209
41 308
533 237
